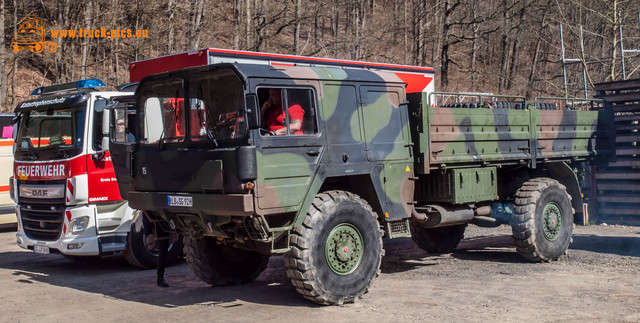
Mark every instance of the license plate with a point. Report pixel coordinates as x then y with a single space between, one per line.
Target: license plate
41 249
180 201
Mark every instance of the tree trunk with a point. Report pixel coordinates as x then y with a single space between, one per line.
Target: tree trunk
237 22
296 31
85 42
248 22
3 57
474 46
171 13
615 24
15 55
536 52
504 46
445 60
196 23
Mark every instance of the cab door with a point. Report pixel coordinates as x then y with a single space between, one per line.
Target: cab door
385 123
287 163
121 140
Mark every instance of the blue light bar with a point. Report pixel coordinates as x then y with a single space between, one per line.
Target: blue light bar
89 83
76 85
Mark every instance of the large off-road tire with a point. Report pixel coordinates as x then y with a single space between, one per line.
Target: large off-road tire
437 240
336 253
141 248
543 220
222 264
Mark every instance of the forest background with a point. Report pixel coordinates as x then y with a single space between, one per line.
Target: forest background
490 46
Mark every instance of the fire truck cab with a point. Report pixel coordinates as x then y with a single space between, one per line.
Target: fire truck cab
64 183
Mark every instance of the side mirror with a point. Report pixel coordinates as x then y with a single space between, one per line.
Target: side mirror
106 126
251 104
16 119
98 155
106 121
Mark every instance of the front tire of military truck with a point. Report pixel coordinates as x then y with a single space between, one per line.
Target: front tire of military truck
336 253
543 220
223 264
141 250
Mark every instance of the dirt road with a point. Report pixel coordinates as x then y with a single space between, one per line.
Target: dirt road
484 280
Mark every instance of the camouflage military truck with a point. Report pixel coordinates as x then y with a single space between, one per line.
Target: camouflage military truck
369 161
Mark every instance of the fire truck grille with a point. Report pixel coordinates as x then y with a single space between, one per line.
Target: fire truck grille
42 222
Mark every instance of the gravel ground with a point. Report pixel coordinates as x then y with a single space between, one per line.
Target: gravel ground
483 280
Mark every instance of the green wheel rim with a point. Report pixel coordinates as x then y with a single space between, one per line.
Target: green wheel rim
344 249
551 221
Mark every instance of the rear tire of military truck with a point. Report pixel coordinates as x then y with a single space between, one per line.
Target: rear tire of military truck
141 250
222 264
543 220
336 253
437 240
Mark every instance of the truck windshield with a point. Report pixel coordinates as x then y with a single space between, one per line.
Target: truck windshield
51 134
163 104
217 103
215 109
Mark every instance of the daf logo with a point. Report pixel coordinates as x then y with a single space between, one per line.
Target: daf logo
41 193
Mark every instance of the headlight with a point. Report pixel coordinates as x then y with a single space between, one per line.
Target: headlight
79 225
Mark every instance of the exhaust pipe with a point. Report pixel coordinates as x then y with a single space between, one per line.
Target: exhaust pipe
435 215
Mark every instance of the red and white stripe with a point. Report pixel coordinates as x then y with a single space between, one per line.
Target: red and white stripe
67 220
71 189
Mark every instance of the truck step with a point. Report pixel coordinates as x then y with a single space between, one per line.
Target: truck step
398 228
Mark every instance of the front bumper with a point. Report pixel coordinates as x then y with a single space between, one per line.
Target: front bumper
91 245
203 204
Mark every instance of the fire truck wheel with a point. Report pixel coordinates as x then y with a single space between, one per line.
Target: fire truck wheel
222 264
437 240
543 220
141 249
336 253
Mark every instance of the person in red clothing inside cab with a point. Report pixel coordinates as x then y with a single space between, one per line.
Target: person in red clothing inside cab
274 116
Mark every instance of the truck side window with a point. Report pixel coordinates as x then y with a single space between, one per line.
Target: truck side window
98 111
164 111
287 111
121 125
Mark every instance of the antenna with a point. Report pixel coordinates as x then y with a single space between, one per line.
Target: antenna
622 50
569 61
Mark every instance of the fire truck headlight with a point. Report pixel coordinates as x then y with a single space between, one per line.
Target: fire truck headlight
79 225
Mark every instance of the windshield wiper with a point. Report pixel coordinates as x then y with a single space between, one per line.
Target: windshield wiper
203 122
210 136
32 155
65 154
30 150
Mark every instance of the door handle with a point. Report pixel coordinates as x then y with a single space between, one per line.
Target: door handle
313 152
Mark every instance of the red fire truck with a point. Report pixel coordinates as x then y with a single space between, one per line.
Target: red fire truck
63 180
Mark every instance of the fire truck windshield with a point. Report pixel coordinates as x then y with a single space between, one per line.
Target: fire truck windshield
215 110
49 134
